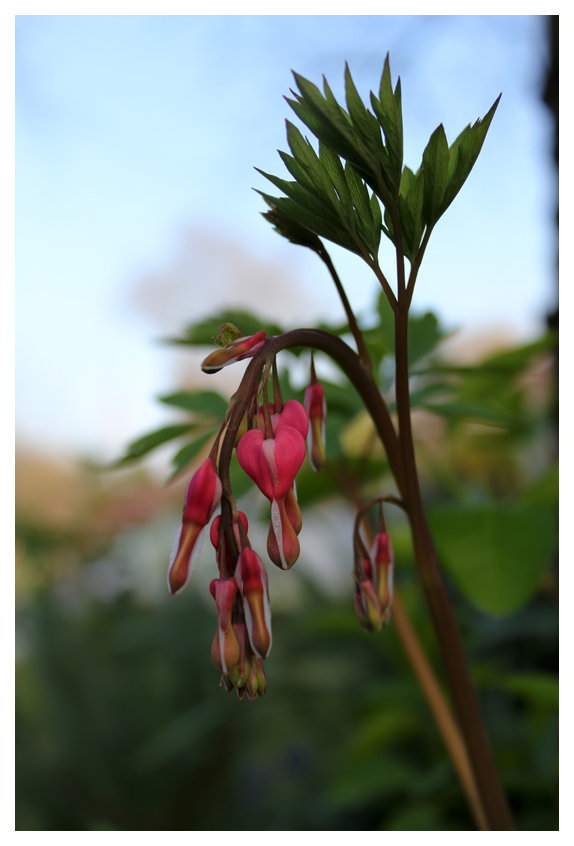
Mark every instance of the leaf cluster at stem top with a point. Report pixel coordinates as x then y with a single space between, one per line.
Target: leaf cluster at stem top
332 200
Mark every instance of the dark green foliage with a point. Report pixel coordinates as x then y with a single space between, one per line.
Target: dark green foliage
497 554
328 202
137 449
120 724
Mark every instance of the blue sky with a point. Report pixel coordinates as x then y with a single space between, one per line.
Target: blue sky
136 138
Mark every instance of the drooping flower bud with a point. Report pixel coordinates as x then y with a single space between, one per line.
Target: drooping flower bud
202 497
245 655
366 601
225 651
244 347
293 511
214 534
384 566
316 408
252 580
282 542
255 684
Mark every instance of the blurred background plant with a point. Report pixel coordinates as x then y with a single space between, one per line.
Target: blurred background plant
120 725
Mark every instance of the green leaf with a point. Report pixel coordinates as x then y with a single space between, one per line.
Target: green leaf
540 689
435 167
365 781
360 115
496 554
149 442
310 162
332 231
358 191
186 455
411 211
466 153
407 180
389 113
424 333
333 126
453 150
334 168
201 403
318 203
480 412
201 333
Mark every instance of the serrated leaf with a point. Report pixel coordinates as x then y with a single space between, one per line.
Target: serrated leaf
358 191
331 124
142 446
201 403
300 174
358 112
319 206
467 152
333 166
313 222
435 167
306 156
453 150
389 113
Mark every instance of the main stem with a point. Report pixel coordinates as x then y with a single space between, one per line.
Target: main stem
446 629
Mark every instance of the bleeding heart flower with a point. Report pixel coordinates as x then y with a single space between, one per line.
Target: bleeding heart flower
202 497
293 414
272 463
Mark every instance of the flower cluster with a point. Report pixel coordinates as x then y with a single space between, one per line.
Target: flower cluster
271 447
374 580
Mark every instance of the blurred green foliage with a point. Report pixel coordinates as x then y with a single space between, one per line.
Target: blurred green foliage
121 726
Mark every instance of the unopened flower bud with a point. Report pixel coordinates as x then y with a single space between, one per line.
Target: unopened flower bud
316 408
366 601
244 347
202 497
255 684
225 651
214 534
252 580
384 567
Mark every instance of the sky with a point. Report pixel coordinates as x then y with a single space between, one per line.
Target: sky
136 139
